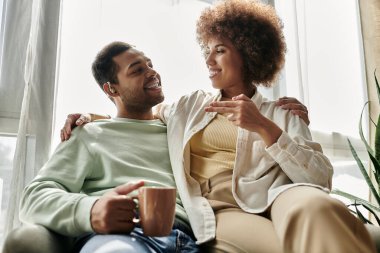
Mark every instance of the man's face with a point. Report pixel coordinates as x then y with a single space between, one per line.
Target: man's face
139 84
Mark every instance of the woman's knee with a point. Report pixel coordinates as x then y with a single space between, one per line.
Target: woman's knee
309 213
316 206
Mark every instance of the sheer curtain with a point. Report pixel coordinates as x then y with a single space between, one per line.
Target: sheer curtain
28 69
325 69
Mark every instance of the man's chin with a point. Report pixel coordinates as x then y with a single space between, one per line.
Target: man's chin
158 100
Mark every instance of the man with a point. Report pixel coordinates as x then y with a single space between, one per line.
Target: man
82 191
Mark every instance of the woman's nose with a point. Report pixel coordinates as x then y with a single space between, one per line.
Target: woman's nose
210 60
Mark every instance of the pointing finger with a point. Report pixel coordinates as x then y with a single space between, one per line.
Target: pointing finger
223 104
220 109
241 97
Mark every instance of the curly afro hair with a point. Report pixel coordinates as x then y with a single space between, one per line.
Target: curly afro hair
256 32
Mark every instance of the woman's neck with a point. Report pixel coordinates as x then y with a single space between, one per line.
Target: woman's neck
248 90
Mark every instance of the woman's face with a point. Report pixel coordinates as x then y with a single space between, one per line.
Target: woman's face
225 64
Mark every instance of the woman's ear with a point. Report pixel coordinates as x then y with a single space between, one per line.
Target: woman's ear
109 89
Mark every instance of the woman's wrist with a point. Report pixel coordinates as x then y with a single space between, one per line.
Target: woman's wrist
270 132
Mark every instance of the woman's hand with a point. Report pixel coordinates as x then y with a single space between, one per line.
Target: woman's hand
77 119
243 112
295 107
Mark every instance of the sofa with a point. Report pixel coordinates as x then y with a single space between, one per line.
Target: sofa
38 239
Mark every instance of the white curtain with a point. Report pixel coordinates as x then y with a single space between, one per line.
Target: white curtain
293 16
324 69
30 49
319 69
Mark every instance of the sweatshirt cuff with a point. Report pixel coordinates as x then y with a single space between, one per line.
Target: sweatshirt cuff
83 213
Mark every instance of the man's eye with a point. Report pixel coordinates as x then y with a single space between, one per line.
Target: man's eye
138 70
219 51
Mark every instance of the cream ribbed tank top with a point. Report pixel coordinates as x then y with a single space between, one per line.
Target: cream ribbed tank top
213 149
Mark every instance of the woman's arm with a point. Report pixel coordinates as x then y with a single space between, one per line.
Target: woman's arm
299 157
162 111
77 119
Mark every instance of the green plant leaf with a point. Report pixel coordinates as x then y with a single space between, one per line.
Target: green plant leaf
373 213
360 215
377 140
377 86
355 198
368 147
365 220
376 166
364 172
373 122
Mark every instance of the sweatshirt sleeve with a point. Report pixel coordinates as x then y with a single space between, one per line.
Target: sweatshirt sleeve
54 199
299 157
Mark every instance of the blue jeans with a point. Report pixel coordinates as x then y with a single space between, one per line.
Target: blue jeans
136 241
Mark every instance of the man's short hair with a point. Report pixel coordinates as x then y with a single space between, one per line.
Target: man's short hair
104 69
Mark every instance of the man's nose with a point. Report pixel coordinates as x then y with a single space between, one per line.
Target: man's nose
151 73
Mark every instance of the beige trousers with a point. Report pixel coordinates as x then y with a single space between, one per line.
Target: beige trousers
302 219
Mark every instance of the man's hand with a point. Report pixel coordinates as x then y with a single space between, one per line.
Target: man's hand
295 107
114 211
77 119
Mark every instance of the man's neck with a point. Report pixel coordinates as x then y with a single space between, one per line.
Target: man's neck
136 115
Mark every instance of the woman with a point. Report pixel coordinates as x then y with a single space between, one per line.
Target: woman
249 175
243 162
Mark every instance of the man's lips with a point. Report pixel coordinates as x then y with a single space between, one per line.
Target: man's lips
155 84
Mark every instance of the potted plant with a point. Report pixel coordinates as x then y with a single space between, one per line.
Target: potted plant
374 155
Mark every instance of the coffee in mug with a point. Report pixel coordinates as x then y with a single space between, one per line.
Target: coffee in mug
157 210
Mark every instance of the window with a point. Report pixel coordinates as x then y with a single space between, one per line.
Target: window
148 24
7 149
324 67
330 55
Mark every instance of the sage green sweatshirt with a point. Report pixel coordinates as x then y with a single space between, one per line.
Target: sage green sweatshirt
98 156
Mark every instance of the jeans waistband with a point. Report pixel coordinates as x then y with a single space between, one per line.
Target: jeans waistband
183 227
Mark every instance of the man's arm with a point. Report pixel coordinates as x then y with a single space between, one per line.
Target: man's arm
54 198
